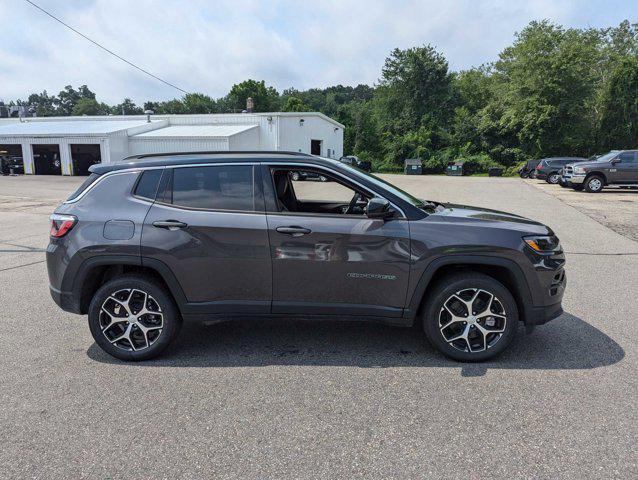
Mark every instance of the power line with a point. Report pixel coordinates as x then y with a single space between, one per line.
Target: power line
104 48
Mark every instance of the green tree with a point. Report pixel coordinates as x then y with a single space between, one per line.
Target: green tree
199 103
127 107
90 106
295 104
43 103
413 103
265 99
619 107
69 97
547 79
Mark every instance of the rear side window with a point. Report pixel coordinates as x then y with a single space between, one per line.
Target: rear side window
147 184
223 187
85 184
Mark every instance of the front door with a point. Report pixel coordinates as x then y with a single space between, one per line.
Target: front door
625 170
327 256
209 228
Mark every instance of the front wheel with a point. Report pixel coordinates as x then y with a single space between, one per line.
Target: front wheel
594 184
470 317
553 178
133 318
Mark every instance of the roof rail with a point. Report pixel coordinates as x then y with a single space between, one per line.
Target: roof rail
219 152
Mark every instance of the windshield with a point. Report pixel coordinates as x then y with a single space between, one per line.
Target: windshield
405 196
606 157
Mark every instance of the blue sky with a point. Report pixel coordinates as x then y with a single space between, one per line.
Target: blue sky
207 46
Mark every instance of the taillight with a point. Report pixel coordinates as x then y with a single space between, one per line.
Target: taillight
61 224
538 167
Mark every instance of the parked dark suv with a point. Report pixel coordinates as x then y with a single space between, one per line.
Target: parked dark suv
618 168
145 244
548 169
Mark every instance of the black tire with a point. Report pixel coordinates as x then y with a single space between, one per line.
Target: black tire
594 184
160 297
553 178
463 282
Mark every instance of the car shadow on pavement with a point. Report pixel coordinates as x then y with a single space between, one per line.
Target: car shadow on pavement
565 343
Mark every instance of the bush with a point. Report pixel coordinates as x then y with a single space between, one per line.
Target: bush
479 163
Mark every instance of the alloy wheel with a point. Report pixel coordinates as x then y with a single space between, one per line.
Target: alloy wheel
131 319
472 320
553 178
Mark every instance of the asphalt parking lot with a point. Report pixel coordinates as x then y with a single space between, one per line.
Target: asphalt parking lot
293 399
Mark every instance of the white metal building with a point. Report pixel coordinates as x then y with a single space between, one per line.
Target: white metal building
68 145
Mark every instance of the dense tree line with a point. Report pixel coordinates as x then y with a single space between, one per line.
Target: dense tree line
554 91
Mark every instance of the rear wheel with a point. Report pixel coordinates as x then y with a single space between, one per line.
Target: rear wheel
133 318
553 178
594 184
470 317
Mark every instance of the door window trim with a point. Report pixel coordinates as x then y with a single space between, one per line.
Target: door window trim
347 180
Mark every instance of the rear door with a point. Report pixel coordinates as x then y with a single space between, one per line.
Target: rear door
334 263
208 227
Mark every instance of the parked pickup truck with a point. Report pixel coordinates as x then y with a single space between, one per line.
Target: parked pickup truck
619 168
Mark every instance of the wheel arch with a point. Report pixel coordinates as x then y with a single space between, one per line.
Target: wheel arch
503 270
596 174
95 271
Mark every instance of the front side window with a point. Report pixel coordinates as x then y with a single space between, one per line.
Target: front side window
312 191
381 183
627 157
219 187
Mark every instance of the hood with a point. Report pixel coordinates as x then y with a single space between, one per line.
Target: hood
485 217
588 164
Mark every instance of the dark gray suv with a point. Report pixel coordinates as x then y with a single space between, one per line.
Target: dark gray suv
145 244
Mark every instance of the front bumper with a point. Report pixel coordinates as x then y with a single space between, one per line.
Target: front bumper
541 315
574 178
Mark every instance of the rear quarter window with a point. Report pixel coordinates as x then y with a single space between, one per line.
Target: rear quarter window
147 184
86 184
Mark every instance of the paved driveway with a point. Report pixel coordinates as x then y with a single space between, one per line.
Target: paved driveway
286 399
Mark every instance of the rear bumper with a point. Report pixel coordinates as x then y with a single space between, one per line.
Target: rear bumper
540 175
65 300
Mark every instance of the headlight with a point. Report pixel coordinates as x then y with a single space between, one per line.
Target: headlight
579 170
543 243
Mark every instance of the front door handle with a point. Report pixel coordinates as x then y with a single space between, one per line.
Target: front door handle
170 224
293 231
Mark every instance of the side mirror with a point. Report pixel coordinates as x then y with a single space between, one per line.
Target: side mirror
378 208
614 161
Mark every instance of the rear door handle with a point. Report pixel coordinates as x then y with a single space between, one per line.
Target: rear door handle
170 224
294 231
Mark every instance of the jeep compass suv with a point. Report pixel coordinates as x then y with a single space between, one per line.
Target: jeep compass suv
145 244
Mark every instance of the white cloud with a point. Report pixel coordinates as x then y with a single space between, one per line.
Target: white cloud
208 46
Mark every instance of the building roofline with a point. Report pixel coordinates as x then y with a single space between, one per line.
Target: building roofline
181 115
